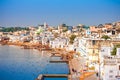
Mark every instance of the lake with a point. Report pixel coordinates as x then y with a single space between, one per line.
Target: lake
27 64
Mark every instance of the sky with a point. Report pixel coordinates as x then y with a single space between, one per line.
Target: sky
55 12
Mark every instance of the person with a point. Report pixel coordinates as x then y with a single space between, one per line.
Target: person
97 74
73 70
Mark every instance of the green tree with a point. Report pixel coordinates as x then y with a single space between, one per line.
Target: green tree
114 51
105 37
72 37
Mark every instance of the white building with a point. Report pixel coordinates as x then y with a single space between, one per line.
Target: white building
89 47
82 47
59 43
111 68
109 65
13 38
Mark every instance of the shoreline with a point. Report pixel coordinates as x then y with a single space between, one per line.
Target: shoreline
65 55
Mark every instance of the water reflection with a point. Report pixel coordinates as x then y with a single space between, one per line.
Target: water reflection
26 64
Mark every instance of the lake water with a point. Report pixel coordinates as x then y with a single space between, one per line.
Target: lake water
27 64
61 78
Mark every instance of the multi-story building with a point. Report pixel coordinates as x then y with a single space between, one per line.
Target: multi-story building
59 43
111 68
109 65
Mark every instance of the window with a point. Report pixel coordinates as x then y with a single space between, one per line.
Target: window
113 32
110 76
102 50
93 42
111 71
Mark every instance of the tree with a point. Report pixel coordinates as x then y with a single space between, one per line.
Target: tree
105 37
114 51
13 29
72 37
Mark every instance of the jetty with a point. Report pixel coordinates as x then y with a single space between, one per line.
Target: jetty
42 76
57 58
55 75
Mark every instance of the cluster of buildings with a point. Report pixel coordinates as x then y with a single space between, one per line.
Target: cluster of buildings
89 43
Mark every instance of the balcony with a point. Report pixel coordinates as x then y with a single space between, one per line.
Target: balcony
110 61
